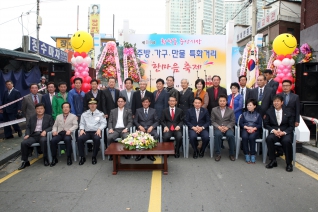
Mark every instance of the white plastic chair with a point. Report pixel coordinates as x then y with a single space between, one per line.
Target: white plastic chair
102 144
35 145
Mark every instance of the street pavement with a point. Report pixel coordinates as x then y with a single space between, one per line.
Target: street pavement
191 185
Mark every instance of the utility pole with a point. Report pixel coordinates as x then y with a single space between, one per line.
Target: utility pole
254 19
38 26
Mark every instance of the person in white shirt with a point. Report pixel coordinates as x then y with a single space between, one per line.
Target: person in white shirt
244 91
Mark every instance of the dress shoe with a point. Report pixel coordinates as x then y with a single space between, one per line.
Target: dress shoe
110 158
151 157
271 164
232 158
217 158
54 162
24 164
195 154
139 157
94 161
69 161
82 161
46 162
201 154
177 155
20 133
289 168
11 136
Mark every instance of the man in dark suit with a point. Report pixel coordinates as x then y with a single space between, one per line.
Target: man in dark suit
223 121
263 94
146 120
270 81
30 100
291 101
47 98
161 97
96 94
172 122
170 88
244 91
128 92
37 128
198 121
186 96
119 122
214 92
139 95
111 95
10 112
280 125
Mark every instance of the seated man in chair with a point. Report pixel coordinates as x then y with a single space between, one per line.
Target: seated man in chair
280 124
223 121
63 127
172 122
146 120
198 121
35 132
119 122
91 126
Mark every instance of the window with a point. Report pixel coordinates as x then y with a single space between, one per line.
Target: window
290 31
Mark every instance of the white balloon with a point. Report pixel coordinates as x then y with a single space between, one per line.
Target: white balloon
73 60
87 60
292 62
285 62
277 63
79 59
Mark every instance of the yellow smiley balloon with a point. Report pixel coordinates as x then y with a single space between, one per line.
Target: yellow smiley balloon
82 41
284 44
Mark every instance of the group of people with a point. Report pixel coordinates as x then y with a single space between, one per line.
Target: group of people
91 112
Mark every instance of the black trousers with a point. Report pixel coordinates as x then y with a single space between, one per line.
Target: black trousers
83 138
177 134
8 129
287 143
61 136
34 138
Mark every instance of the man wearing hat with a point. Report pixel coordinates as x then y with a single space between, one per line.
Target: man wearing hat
42 84
91 125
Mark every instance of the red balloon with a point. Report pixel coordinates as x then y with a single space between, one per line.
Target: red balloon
278 79
280 88
288 56
76 54
73 85
280 57
87 79
293 86
72 79
86 87
83 54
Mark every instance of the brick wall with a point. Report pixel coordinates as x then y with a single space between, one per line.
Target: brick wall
309 13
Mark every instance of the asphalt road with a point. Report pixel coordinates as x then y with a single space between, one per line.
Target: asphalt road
191 185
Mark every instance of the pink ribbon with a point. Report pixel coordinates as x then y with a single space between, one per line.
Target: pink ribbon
128 51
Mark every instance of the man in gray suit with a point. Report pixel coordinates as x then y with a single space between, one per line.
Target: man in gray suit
223 121
35 132
128 93
119 122
30 100
146 120
62 130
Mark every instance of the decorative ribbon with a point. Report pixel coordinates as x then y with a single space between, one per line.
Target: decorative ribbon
9 123
271 61
120 83
101 58
128 51
10 103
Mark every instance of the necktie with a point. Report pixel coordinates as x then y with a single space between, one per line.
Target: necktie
92 114
242 91
286 99
198 113
146 114
216 93
113 94
142 94
232 102
260 94
157 94
278 117
172 117
35 100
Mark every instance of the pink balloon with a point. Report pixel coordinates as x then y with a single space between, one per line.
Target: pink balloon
77 74
84 65
286 71
289 74
86 69
85 74
289 67
279 71
281 67
281 75
80 69
278 79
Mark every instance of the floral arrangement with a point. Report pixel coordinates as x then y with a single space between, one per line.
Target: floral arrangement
130 65
304 55
139 140
109 62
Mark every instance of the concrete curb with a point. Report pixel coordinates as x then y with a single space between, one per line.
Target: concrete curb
12 153
310 151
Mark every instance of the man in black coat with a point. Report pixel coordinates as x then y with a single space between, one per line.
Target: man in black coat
47 98
110 96
280 125
96 94
214 92
172 122
186 96
139 95
291 101
36 132
263 94
270 81
244 91
10 112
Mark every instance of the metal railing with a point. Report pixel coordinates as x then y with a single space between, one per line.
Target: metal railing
314 121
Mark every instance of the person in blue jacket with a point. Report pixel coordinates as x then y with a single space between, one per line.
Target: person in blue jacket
235 100
76 97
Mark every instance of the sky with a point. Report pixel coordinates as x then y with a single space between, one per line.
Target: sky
59 18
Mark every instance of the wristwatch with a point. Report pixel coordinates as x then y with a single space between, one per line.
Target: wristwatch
203 128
